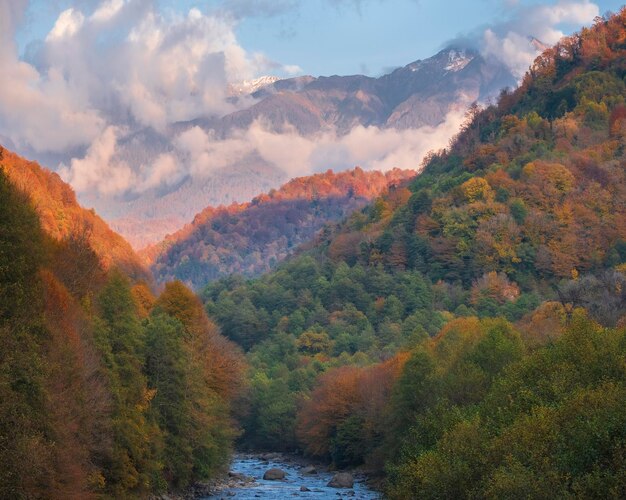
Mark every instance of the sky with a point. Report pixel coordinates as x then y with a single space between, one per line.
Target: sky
81 79
326 37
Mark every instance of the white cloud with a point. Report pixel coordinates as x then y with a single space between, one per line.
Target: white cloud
369 147
107 10
68 23
509 42
514 50
99 169
163 171
126 65
292 69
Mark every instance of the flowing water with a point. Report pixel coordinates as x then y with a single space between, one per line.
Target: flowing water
254 466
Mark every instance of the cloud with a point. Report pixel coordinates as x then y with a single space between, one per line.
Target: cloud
510 42
107 11
120 63
110 70
99 169
369 147
164 171
199 154
11 15
68 23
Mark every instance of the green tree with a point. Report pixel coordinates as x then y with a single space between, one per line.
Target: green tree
132 466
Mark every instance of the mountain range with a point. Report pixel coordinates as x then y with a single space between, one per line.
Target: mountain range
420 94
462 336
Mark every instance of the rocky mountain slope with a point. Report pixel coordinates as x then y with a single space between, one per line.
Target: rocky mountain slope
420 93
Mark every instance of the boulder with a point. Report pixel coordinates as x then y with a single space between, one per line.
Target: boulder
342 480
274 475
304 488
309 470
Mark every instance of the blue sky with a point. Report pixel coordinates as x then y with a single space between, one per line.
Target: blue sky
333 36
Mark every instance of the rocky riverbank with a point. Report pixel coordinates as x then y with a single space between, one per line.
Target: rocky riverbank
275 475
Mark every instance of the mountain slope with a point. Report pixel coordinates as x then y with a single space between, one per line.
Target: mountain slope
250 238
62 217
420 93
105 390
501 269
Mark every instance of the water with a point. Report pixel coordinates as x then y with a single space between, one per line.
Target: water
254 466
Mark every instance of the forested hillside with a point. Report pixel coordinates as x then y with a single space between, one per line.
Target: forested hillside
105 390
63 218
250 238
465 332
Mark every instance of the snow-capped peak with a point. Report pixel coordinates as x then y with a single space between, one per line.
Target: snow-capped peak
251 86
457 60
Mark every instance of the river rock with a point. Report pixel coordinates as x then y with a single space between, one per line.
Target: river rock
309 470
341 480
304 488
274 475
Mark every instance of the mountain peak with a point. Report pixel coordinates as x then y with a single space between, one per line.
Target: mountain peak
247 87
458 59
449 59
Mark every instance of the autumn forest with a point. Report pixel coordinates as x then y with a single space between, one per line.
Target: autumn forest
455 333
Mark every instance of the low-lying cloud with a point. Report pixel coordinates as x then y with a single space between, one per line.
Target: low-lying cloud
370 147
198 154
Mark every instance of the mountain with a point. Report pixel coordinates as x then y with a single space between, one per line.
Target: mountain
247 87
251 238
148 218
63 218
465 333
419 94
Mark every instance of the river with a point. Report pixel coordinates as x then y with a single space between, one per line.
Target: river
253 466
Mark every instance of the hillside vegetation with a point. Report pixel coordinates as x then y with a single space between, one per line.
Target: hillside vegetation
465 332
251 238
62 217
105 390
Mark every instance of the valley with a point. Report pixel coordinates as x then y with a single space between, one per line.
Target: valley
455 328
